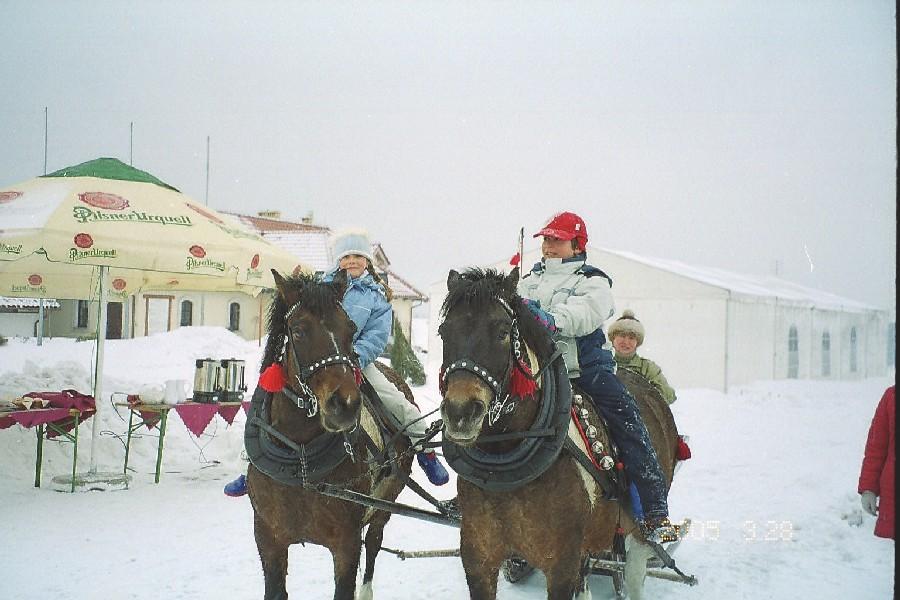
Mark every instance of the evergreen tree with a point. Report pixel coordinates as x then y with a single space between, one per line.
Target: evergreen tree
404 360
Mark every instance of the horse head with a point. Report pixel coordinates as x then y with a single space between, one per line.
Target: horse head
312 337
485 333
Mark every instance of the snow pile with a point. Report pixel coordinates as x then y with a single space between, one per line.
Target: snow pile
771 489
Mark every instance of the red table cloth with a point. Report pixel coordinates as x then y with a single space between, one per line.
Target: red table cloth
60 404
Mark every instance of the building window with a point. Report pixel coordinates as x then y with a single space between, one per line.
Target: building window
826 354
81 314
853 349
793 353
234 316
187 313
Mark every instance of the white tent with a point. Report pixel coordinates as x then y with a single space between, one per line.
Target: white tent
713 328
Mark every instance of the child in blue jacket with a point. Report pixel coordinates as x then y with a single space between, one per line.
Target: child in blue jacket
367 305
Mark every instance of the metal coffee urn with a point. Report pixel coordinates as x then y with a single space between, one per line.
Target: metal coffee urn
231 380
207 376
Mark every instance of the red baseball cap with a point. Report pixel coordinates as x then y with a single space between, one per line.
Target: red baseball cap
566 226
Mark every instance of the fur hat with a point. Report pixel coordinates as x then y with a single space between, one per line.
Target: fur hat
627 323
351 241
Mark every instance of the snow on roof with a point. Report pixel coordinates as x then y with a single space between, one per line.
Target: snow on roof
266 224
309 246
402 288
26 302
310 243
750 285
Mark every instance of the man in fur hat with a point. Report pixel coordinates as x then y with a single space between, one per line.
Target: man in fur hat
627 334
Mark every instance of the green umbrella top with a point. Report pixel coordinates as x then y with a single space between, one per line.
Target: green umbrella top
109 168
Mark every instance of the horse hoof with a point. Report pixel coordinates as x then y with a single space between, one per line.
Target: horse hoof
515 569
364 592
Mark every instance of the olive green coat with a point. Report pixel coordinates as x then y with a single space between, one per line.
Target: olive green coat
650 370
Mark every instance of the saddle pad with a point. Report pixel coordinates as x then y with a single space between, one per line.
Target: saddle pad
590 485
367 421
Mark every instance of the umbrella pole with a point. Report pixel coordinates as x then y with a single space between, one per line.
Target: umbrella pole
92 480
40 327
98 365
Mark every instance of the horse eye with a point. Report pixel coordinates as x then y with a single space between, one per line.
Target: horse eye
296 334
504 335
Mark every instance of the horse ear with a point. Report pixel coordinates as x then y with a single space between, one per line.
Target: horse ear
339 283
279 283
452 279
511 282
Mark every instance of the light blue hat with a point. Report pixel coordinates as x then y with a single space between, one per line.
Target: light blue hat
351 241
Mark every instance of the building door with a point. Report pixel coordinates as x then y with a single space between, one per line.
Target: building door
158 316
114 320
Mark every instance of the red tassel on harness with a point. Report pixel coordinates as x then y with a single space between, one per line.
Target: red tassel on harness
683 452
520 384
357 372
272 379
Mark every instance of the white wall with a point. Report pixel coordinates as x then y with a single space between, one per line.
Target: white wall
20 324
209 309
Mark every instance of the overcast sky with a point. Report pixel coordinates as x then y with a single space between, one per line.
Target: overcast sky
728 134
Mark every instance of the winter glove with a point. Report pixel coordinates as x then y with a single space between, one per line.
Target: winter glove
869 503
542 316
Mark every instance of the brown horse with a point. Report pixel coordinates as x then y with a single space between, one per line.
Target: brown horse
309 433
553 516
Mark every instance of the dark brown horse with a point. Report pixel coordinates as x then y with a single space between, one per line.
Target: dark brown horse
553 519
309 433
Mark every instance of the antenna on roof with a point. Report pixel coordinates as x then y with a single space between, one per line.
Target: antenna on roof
206 201
45 140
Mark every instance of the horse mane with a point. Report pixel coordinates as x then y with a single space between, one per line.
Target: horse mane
478 288
315 296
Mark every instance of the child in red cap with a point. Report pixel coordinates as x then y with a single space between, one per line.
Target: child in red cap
573 299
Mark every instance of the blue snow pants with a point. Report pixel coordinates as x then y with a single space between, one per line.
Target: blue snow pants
630 435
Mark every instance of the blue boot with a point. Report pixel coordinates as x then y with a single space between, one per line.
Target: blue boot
433 468
236 488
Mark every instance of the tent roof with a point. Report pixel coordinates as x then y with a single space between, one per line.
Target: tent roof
109 168
750 285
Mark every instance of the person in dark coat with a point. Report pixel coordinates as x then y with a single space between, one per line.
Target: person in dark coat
876 478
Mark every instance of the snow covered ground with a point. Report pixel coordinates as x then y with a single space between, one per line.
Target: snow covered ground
771 489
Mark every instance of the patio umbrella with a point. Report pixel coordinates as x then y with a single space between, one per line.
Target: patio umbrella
103 229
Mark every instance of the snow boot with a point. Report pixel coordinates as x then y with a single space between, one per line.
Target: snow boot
237 488
433 468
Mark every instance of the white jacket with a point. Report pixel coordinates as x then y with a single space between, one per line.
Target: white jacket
579 304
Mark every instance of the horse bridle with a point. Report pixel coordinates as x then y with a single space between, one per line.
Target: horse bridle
303 374
495 410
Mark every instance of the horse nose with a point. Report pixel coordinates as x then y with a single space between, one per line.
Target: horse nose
340 411
343 404
462 414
